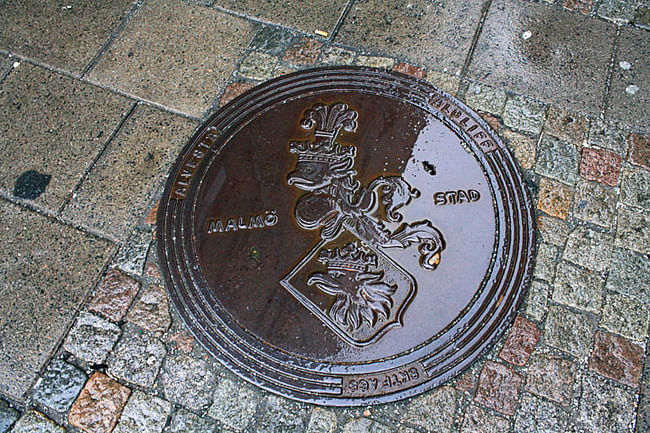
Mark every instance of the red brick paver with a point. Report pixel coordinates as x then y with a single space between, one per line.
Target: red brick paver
114 295
498 388
583 6
304 51
411 70
600 165
99 404
639 150
521 342
616 358
233 90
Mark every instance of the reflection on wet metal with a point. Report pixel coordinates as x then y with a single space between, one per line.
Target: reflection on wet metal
346 236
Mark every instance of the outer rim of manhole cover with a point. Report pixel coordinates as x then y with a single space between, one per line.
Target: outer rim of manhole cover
337 380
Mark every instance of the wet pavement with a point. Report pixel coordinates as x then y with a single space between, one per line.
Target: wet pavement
96 101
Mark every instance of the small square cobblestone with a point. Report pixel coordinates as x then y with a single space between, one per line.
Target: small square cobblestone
234 403
604 407
132 256
59 386
151 311
375 62
278 414
577 288
565 125
498 388
524 114
92 338
545 262
600 165
595 203
552 230
539 416
365 425
589 248
522 146
272 40
33 421
554 198
485 98
633 230
304 52
582 6
551 377
408 69
617 358
629 274
617 11
99 405
477 420
322 421
258 66
337 56
143 414
417 411
8 416
635 187
568 331
521 342
557 159
633 324
188 382
639 150
185 421
608 135
447 82
536 300
137 358
114 295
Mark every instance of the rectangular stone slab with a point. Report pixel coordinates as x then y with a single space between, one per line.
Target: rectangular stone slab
46 271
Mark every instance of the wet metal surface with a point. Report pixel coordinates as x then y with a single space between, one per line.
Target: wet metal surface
346 236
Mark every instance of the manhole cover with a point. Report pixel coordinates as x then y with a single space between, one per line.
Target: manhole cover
346 236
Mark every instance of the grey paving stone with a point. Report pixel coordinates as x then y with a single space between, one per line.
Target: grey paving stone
66 37
485 98
337 56
434 34
578 288
589 248
258 66
522 146
59 386
633 230
557 159
35 422
625 316
375 62
635 187
629 274
322 421
322 15
551 377
131 257
604 407
55 126
608 135
365 425
539 416
524 114
92 338
565 125
536 299
629 93
280 415
447 82
272 40
617 11
144 414
418 410
545 262
568 331
137 358
478 420
186 422
175 54
117 191
8 416
234 403
552 230
151 311
643 17
549 54
595 203
188 382
40 290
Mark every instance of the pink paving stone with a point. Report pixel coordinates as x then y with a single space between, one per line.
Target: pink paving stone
498 388
491 120
114 295
182 341
617 358
582 6
600 165
233 90
466 382
99 404
305 51
151 312
152 271
551 377
639 150
521 341
152 215
411 70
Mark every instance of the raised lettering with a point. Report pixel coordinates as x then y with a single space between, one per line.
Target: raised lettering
439 198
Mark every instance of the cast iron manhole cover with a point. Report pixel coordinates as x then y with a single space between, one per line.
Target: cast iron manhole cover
346 236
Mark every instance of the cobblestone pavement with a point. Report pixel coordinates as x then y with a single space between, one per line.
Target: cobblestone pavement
97 98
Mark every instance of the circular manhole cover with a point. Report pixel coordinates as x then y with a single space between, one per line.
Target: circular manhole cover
346 236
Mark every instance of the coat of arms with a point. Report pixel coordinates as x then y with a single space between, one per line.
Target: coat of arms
349 279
